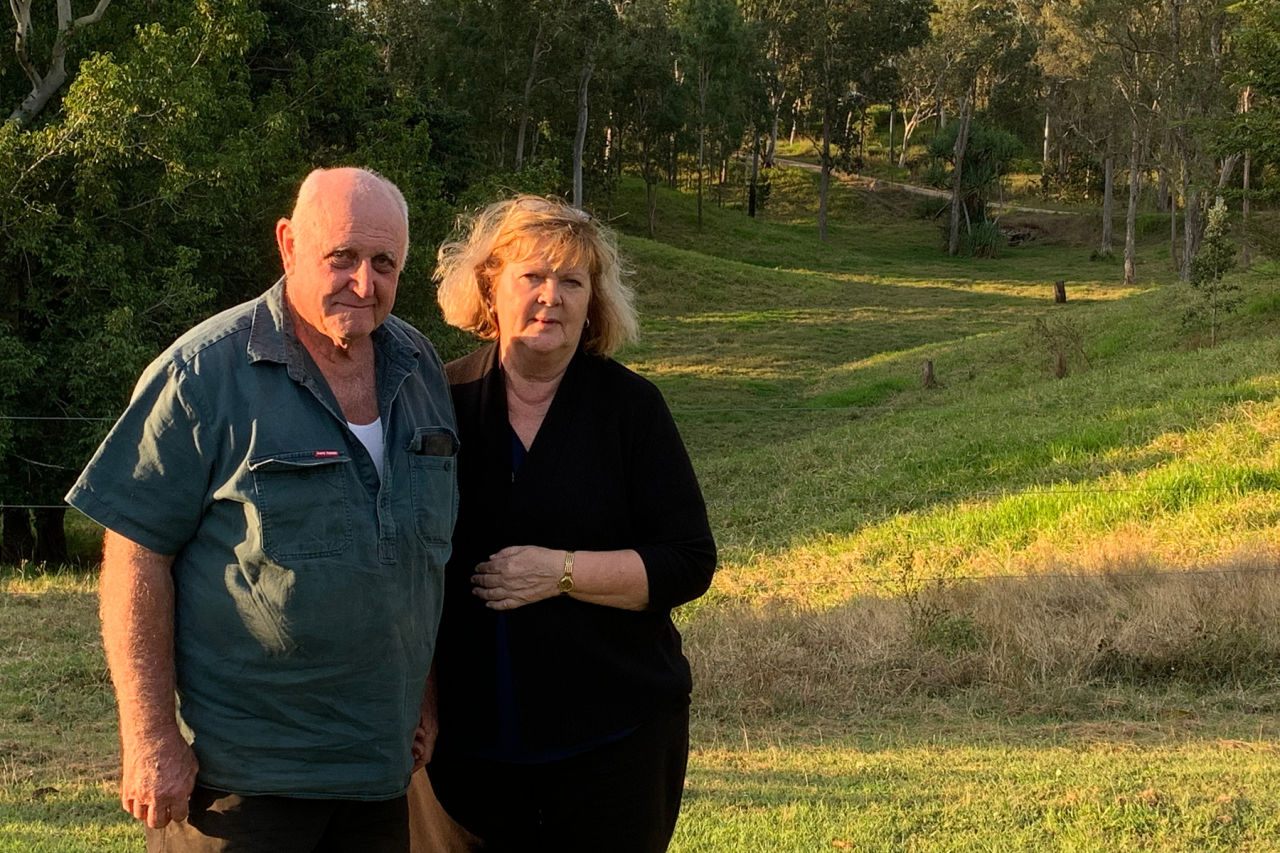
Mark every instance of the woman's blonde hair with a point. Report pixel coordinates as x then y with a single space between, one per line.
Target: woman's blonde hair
515 229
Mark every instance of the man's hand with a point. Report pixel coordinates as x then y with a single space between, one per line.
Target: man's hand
159 775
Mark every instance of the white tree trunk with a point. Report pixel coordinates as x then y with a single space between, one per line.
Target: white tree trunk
1131 216
580 137
1108 192
45 85
957 176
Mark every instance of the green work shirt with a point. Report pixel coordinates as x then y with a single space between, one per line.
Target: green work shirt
307 590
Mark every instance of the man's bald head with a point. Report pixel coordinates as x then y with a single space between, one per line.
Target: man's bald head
343 249
323 185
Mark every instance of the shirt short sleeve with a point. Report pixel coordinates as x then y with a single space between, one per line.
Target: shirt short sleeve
148 480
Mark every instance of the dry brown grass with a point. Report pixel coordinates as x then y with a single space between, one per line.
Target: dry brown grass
1116 620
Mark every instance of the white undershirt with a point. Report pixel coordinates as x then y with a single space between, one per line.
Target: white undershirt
370 436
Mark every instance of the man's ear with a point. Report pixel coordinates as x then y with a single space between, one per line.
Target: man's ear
284 239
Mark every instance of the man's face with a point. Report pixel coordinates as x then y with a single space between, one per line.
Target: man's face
343 252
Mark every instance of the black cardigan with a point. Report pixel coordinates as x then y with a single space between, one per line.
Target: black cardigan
606 471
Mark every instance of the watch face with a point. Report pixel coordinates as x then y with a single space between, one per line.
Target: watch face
565 584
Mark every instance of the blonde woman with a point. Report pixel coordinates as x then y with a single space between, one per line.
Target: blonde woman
563 692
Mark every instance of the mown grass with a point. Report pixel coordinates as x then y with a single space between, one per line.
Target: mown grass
1010 612
968 785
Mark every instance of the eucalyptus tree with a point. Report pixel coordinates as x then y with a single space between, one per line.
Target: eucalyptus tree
1088 109
650 101
773 22
1198 99
47 70
988 45
1125 40
924 71
712 46
1255 129
837 46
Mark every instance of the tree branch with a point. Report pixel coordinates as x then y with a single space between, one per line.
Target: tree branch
44 86
22 18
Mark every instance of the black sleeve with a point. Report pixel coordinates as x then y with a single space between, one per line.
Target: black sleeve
679 552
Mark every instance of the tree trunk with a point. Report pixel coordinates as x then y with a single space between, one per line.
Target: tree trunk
755 173
824 181
1190 217
1246 257
51 538
17 542
528 95
1131 215
651 206
580 136
957 176
45 86
891 112
704 81
909 126
1108 191
1044 157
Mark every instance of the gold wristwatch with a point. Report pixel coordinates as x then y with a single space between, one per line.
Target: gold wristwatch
565 584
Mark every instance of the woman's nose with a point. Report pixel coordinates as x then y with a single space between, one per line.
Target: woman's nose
549 292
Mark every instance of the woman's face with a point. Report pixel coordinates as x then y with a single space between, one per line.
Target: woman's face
540 306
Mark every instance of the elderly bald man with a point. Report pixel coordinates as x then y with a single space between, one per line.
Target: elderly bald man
279 497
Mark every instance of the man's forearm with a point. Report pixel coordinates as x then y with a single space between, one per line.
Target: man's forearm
136 606
159 767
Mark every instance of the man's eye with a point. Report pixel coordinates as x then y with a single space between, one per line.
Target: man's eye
342 260
384 265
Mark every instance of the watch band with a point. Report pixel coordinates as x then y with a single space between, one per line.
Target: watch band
565 584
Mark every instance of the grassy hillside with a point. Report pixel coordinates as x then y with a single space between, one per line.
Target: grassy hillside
1033 607
794 369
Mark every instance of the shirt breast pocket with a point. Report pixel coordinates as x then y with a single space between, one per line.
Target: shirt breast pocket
433 469
303 504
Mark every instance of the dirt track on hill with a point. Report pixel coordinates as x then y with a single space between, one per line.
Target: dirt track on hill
875 184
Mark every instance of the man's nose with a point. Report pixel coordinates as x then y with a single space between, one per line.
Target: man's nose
362 279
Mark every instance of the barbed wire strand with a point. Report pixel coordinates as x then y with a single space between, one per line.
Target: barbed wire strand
52 418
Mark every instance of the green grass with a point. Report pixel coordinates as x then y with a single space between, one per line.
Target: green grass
1161 784
1081 691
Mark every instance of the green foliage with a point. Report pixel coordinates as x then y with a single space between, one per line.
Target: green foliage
144 199
1216 295
983 240
986 157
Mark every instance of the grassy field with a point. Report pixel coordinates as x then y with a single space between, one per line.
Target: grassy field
1016 611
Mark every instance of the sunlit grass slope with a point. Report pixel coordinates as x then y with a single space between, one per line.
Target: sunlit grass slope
794 370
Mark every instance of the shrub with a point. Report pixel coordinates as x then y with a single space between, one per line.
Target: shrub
984 240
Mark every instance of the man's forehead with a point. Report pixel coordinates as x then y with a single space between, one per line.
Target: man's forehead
377 230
